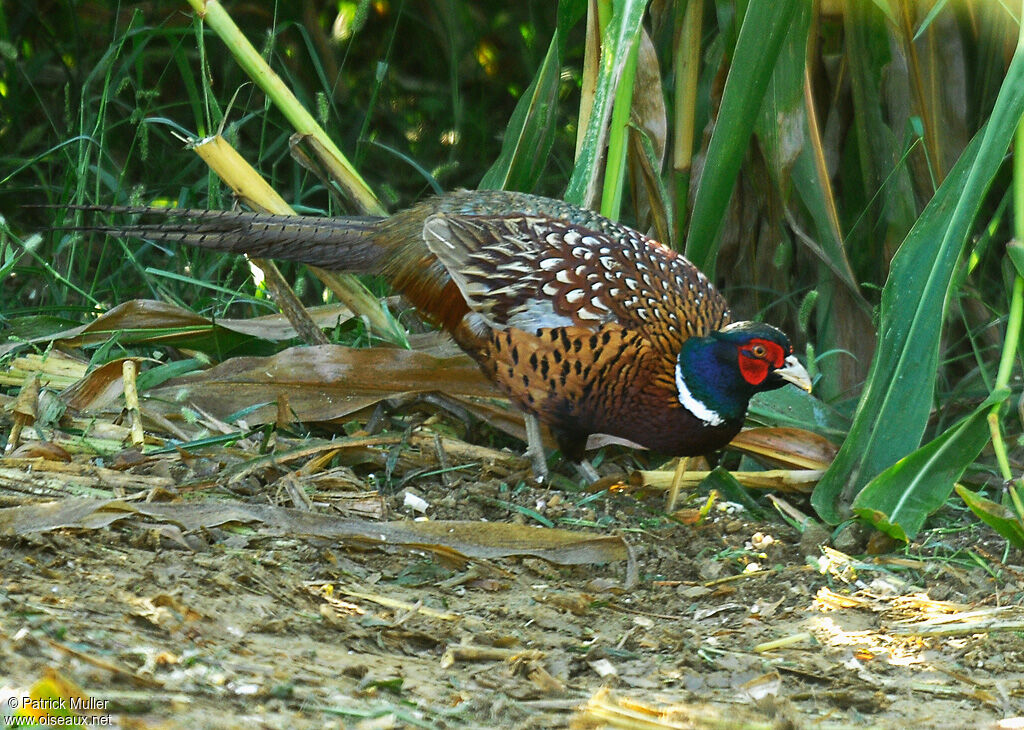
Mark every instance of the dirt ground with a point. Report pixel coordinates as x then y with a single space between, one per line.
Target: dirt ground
722 622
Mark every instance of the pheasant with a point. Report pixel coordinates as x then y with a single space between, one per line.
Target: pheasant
588 326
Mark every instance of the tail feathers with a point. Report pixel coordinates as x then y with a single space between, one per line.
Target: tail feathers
390 247
339 244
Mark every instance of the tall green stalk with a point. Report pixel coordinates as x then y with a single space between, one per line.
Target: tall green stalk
618 136
1013 329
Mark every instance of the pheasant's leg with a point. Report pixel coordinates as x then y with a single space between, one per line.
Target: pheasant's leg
587 471
677 480
535 447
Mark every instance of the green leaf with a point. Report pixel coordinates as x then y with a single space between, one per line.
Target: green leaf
764 28
33 327
894 408
570 12
162 373
615 45
899 499
884 6
618 134
873 181
1015 250
782 120
526 146
794 407
732 491
932 14
995 515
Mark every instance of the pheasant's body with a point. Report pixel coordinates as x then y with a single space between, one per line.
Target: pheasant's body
585 323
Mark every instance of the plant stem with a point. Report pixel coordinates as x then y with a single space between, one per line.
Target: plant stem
1013 327
214 15
618 135
686 67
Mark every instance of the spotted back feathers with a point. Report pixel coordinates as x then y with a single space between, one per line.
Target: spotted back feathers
532 272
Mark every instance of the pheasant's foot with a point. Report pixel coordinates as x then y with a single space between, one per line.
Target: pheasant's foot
535 448
587 471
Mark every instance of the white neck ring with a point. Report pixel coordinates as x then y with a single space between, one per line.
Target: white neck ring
707 416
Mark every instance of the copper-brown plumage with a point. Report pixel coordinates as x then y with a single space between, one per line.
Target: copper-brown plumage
579 319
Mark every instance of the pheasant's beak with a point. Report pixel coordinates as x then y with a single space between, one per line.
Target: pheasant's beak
795 373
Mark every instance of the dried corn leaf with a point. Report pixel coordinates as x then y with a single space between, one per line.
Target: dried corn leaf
485 540
605 710
55 369
786 447
99 388
321 383
147 320
783 480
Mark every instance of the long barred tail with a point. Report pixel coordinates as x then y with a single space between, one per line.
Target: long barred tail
392 247
339 244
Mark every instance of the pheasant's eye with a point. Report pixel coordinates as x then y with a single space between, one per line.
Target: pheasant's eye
758 351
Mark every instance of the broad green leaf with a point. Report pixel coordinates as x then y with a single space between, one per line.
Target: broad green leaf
932 14
893 410
781 123
764 28
618 134
20 331
160 374
794 407
793 151
531 131
884 6
783 133
899 499
995 515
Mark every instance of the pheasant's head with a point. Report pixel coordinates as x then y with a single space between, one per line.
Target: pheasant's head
717 375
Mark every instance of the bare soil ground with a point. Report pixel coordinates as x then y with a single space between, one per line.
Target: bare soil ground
235 626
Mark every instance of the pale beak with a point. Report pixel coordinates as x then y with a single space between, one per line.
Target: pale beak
794 372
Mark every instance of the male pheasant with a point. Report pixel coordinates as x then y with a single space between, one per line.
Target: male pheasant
598 331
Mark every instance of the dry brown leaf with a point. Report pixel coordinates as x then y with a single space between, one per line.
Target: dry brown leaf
40 450
648 118
786 447
321 383
148 314
648 109
486 540
99 388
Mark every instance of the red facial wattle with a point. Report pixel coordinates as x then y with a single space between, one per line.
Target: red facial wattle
759 357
